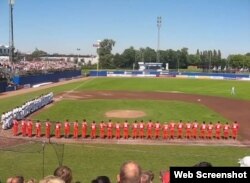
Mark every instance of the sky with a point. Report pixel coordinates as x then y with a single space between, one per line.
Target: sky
62 26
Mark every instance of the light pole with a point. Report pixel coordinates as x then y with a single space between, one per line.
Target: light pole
11 34
158 42
78 49
97 45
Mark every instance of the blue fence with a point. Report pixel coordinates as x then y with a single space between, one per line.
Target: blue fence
3 85
43 78
152 73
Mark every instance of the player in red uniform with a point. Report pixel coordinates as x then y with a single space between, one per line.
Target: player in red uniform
180 127
15 127
210 128
134 129
76 125
157 129
195 127
188 130
30 127
150 126
125 129
110 130
38 128
117 130
58 130
235 128
66 129
102 129
218 130
93 130
226 130
48 126
141 127
172 129
84 128
203 130
23 126
165 130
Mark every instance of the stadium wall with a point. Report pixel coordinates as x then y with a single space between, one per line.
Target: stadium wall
3 86
151 73
44 78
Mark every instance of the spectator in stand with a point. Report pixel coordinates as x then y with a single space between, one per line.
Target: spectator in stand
64 173
130 172
147 177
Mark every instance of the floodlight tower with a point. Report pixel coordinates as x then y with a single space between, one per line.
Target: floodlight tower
158 42
11 34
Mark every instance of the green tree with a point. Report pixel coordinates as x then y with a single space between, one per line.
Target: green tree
105 55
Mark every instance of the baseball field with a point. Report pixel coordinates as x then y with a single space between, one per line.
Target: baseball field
161 99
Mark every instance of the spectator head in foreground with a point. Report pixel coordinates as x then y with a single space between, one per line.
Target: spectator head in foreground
203 164
51 179
147 177
130 172
15 179
244 162
164 176
101 179
64 173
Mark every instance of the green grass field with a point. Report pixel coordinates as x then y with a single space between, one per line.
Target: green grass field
155 110
89 161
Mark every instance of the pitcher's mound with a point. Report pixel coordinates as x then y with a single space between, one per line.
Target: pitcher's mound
125 114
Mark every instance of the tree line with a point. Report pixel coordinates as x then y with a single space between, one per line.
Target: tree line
208 60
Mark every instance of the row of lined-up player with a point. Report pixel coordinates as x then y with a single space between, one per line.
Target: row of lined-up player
125 130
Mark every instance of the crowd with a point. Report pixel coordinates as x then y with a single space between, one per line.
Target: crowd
126 130
43 65
24 67
20 112
130 172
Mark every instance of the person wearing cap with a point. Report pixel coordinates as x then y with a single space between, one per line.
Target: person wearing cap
180 127
172 129
134 128
93 130
110 129
102 129
235 128
218 130
66 129
58 130
157 129
165 128
226 128
84 128
76 129
141 127
203 130
125 129
149 129
195 127
47 126
188 130
118 130
38 128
